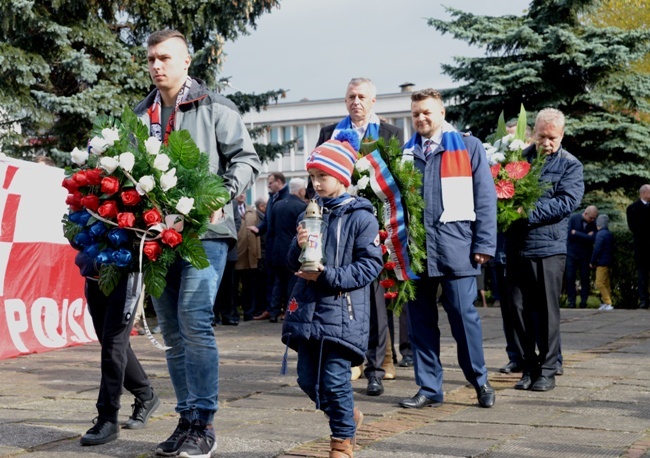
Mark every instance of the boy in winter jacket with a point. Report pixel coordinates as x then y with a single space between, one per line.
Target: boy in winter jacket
327 318
601 259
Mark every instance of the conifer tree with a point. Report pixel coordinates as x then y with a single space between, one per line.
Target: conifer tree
551 57
62 62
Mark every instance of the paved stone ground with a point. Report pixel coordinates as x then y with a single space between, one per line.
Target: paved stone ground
600 407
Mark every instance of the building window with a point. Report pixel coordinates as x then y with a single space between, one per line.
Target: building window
286 136
300 138
275 136
401 123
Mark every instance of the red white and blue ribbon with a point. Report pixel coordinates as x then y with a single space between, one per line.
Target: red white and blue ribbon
384 186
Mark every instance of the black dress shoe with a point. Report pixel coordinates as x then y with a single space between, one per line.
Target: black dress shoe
510 367
524 383
273 319
103 432
643 305
375 387
229 322
485 395
418 401
407 361
559 370
543 383
142 410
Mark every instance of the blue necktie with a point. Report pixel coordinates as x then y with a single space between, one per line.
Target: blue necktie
427 150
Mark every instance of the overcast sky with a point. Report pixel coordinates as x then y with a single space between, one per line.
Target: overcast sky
314 47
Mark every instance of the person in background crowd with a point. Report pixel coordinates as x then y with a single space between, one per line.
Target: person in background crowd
601 260
185 308
460 223
225 307
638 220
580 243
249 252
278 190
536 254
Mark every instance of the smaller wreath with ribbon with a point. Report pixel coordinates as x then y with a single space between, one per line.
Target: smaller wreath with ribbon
136 204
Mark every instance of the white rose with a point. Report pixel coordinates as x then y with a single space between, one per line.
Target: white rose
161 162
185 205
362 165
489 149
127 161
516 144
78 156
109 164
97 145
111 135
168 180
145 184
507 139
498 157
363 182
152 144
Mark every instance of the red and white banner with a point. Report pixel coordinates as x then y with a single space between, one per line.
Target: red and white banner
42 302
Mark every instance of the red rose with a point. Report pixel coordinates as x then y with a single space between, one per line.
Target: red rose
94 176
495 169
505 189
130 197
74 201
390 265
384 249
108 209
388 283
110 185
518 170
91 202
80 178
125 219
152 250
70 184
390 295
171 237
151 217
383 235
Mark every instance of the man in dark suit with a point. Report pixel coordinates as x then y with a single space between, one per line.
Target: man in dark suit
580 243
360 98
638 220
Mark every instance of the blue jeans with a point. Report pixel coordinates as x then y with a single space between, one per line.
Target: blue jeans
329 385
185 315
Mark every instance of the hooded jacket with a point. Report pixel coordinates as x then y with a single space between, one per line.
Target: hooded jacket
216 127
336 307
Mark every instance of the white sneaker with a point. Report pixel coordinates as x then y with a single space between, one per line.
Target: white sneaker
606 307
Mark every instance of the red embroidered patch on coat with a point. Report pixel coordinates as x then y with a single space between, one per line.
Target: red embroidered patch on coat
293 305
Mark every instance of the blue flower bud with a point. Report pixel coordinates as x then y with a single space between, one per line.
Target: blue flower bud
81 217
105 256
97 229
118 237
83 239
122 257
92 251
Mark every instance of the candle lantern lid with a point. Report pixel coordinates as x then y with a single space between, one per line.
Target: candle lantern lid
313 210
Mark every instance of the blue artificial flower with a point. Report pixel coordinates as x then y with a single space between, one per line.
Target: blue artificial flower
118 237
83 239
97 229
105 256
81 217
92 251
122 257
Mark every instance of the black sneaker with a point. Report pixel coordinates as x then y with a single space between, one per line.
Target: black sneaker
142 410
103 432
171 445
199 443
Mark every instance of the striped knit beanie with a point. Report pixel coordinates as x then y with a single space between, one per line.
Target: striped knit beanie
336 157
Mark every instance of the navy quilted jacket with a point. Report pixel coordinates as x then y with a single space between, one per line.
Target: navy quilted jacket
336 307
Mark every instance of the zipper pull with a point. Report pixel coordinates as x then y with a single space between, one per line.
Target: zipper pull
350 309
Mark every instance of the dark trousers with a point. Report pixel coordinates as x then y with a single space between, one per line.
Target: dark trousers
119 365
508 314
458 299
642 274
252 282
404 343
283 282
378 336
535 287
573 267
224 303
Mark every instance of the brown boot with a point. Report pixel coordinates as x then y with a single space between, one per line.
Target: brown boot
358 421
341 448
388 365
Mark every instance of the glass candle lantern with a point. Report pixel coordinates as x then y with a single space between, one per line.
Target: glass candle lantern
312 254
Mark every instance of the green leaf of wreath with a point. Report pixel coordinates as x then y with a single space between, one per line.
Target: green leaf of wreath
183 149
154 278
192 251
109 277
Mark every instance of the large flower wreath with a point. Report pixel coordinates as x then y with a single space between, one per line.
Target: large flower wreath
516 180
136 204
392 186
